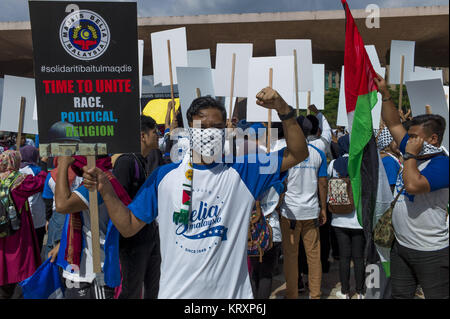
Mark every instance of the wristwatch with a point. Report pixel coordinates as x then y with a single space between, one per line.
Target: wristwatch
408 156
285 117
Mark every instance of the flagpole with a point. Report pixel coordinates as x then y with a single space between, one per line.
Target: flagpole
402 73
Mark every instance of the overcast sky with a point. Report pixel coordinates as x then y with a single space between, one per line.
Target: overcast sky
17 10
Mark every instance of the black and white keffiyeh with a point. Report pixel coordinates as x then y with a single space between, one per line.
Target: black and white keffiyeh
384 138
207 142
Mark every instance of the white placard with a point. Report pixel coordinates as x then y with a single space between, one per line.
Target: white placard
258 78
373 56
446 95
318 94
420 74
35 116
227 105
141 63
189 79
199 58
224 58
429 92
14 88
376 111
304 60
342 119
160 55
399 48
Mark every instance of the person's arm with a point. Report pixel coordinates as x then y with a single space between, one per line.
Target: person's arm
323 193
296 150
389 112
415 183
66 202
325 126
126 223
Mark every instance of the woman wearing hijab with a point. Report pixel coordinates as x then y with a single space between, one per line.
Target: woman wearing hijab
19 252
29 166
349 233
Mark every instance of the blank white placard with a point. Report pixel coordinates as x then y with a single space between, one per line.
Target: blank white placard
160 55
189 79
399 48
342 119
199 58
258 78
373 56
318 94
446 95
304 60
425 74
13 89
224 58
428 92
141 63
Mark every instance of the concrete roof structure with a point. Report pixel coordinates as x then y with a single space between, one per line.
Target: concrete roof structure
428 26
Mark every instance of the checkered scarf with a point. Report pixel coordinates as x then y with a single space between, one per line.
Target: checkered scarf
384 138
207 142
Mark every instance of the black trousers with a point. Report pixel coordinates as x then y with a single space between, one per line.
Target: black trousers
411 267
40 233
262 273
86 290
351 246
140 260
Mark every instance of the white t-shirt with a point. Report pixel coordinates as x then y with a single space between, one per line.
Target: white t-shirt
37 204
301 200
340 220
420 221
86 271
208 257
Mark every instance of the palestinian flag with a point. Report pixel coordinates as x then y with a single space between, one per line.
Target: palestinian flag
360 97
371 191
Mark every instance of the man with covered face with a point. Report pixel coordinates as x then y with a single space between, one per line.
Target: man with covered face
203 204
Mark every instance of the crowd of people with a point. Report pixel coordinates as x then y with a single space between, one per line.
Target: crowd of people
176 219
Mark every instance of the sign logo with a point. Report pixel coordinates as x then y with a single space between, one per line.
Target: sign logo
84 35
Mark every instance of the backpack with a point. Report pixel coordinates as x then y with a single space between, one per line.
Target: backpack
7 226
340 195
259 234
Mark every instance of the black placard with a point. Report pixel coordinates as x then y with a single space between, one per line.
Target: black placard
86 73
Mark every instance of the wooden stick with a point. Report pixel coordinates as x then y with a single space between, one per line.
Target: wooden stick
171 78
428 109
269 117
21 116
297 103
402 73
308 103
233 71
93 213
197 91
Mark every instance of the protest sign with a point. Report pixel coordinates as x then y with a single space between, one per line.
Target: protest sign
318 94
425 74
13 89
399 49
86 74
141 64
342 119
429 92
258 78
304 60
199 58
224 67
160 56
189 80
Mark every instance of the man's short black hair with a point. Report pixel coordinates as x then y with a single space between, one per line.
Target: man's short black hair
305 125
147 123
205 102
315 124
432 124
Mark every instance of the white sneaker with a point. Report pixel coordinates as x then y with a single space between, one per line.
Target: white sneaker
360 296
340 295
